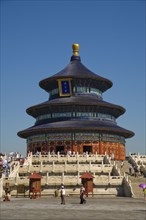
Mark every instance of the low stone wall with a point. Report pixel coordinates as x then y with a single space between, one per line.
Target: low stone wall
71 180
100 190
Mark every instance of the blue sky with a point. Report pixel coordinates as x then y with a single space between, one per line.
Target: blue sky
36 40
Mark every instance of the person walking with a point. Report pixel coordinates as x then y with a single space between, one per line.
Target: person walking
62 195
136 171
82 195
144 191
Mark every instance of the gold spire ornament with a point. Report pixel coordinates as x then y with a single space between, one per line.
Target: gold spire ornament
75 48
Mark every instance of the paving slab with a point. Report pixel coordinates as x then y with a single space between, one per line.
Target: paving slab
49 208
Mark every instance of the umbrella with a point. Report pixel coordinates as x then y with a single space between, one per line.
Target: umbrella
142 185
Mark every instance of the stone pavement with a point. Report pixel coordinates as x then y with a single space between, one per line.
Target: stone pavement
96 208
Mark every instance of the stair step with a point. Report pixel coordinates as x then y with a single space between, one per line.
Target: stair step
135 181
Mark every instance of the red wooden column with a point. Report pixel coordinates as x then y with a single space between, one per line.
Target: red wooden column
100 143
100 148
119 151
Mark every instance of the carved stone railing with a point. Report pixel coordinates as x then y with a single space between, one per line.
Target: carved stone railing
70 158
14 169
65 167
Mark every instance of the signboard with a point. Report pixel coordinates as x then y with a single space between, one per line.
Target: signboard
65 87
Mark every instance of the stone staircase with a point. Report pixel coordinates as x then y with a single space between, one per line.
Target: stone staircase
57 169
135 181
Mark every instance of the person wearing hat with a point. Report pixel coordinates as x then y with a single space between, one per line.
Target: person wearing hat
62 195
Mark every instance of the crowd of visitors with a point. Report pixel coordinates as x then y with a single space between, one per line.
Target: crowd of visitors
8 161
136 171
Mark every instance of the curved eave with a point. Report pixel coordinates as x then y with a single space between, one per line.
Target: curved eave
83 125
75 70
87 100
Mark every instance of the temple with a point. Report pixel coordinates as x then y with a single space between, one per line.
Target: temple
75 118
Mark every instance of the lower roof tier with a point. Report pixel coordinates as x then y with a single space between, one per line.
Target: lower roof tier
72 126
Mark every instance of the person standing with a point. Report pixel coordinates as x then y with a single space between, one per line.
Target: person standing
62 195
130 169
82 195
122 164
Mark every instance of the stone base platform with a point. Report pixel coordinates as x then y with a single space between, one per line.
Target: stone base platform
99 207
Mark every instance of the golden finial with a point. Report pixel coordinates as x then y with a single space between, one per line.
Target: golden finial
75 48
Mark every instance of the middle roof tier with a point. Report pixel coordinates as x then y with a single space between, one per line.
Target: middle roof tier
78 102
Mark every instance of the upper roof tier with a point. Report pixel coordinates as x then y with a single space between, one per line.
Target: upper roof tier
75 70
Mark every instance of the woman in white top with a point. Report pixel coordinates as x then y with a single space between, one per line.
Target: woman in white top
62 195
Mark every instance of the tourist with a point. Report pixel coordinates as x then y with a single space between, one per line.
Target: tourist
62 195
122 164
69 152
141 170
112 156
7 196
144 191
130 169
37 153
82 195
136 171
74 153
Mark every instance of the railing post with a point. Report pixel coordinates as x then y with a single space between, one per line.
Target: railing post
109 177
47 175
87 155
16 180
65 167
78 165
90 165
62 177
96 155
77 156
53 166
58 155
48 157
40 156
102 165
78 178
41 166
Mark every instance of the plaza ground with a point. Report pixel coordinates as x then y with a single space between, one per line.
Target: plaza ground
49 208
